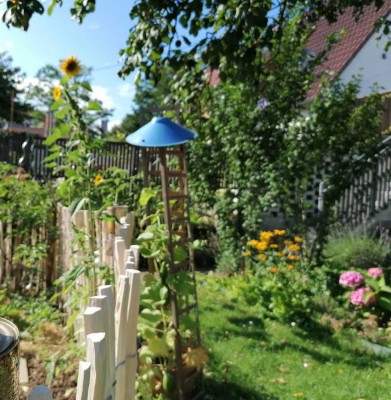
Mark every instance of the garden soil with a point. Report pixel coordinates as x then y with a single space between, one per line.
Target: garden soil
63 384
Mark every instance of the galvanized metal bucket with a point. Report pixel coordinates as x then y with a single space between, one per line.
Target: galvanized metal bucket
9 360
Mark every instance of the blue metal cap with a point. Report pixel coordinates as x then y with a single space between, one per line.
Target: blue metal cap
160 132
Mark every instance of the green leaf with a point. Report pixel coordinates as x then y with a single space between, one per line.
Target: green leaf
62 113
147 332
64 80
147 235
137 78
146 195
163 293
151 315
58 133
77 205
384 302
94 106
180 255
146 355
158 347
52 157
86 86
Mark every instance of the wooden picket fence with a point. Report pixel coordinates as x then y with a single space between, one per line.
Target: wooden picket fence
105 234
62 251
110 331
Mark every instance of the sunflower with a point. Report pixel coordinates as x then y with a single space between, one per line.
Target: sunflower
98 179
56 93
70 66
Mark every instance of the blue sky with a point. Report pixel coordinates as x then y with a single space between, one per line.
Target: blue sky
96 43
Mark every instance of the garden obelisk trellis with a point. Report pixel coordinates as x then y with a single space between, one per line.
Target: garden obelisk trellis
163 145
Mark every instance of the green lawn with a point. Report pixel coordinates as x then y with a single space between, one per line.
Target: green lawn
252 359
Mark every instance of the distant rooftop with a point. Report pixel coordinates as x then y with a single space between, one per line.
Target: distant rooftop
358 32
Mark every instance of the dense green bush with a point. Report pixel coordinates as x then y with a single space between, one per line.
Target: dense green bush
348 249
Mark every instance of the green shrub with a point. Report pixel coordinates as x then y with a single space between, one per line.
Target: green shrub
348 249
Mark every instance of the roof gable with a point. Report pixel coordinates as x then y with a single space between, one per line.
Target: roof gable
358 32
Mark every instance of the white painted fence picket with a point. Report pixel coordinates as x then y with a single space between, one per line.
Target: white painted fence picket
110 329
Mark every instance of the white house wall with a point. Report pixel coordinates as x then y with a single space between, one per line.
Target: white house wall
373 64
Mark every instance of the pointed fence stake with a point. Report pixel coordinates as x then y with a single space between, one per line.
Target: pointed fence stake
131 344
83 380
96 355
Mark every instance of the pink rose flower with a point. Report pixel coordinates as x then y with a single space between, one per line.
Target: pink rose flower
351 278
357 297
375 272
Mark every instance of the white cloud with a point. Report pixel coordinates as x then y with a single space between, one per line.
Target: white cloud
113 123
30 80
100 93
6 45
127 90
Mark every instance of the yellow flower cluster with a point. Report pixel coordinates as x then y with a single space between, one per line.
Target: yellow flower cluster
271 244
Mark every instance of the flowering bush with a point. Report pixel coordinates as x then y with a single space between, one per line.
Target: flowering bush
351 278
368 288
276 268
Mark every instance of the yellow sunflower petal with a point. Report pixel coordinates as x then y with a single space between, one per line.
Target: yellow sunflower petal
56 93
70 66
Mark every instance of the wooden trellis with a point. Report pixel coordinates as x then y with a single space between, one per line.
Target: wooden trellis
166 164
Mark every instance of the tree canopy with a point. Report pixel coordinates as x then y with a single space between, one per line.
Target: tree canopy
188 35
12 107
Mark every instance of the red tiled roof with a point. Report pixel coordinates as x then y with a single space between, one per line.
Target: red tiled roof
358 32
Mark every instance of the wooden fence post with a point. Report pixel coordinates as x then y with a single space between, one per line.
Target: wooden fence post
121 312
136 254
93 321
83 380
119 257
96 355
102 303
131 344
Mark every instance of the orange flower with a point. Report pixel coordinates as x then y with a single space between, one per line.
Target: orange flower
280 254
293 257
275 270
247 253
252 243
266 236
298 239
294 247
280 232
290 267
274 246
262 246
262 257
